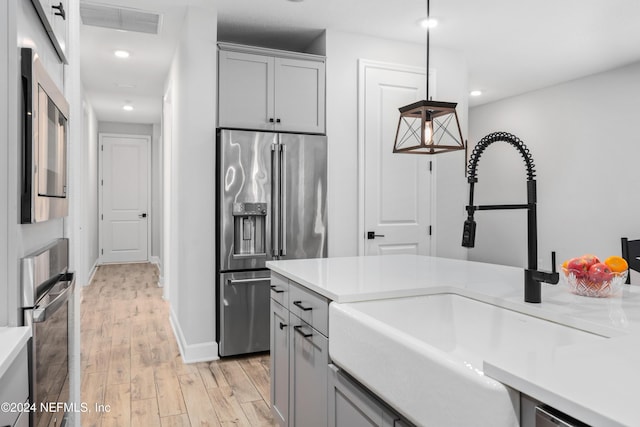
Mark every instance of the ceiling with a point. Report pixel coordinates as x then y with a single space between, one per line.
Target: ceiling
511 47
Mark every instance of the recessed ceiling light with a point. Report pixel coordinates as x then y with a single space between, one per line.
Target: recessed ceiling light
428 23
475 93
127 107
121 53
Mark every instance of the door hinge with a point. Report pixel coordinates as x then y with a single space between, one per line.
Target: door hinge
430 230
102 148
102 182
430 165
101 251
102 217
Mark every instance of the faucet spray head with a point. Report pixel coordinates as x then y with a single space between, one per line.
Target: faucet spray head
469 232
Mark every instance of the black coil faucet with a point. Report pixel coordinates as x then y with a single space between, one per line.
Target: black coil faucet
532 277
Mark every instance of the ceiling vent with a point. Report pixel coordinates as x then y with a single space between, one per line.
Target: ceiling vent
119 18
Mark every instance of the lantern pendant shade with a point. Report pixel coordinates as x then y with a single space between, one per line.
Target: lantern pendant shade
428 127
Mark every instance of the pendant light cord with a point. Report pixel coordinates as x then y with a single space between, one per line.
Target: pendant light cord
428 25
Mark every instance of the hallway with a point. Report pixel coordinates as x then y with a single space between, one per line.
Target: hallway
132 372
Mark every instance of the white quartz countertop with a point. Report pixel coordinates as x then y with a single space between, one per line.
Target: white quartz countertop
12 340
599 385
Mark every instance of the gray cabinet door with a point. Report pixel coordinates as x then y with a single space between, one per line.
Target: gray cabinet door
279 363
351 406
308 375
245 91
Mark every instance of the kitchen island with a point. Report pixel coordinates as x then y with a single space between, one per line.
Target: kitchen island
596 383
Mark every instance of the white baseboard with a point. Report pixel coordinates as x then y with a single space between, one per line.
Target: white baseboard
92 273
192 353
155 260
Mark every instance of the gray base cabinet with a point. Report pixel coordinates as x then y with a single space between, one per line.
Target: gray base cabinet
299 355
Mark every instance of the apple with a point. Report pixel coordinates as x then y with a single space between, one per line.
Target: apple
600 272
579 267
591 259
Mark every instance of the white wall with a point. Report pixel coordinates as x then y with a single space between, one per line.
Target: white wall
343 51
586 148
91 190
125 128
192 83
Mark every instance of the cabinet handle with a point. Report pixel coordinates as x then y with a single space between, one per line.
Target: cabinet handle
271 120
276 290
283 325
302 307
277 120
299 330
60 12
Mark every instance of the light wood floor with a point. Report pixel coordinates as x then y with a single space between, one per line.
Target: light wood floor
130 362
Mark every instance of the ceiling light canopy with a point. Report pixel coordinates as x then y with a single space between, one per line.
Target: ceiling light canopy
427 126
121 54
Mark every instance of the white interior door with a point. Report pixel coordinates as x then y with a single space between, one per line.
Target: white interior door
396 188
125 198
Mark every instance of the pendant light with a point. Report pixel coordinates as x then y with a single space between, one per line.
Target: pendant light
428 127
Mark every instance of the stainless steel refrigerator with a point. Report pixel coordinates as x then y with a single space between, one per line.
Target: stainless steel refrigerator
271 204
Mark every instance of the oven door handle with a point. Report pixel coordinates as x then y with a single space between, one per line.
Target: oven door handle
40 314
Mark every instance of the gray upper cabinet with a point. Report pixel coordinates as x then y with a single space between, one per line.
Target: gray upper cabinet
265 89
54 17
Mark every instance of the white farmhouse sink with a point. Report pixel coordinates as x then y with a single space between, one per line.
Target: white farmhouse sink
424 355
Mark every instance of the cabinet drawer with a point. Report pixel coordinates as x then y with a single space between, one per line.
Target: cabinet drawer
310 307
280 289
14 387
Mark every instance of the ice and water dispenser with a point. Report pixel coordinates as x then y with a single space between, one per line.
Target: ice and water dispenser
249 229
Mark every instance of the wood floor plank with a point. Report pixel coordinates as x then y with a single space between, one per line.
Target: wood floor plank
181 420
227 408
258 376
170 400
242 387
143 385
258 413
121 334
119 366
208 378
198 404
145 413
118 399
92 390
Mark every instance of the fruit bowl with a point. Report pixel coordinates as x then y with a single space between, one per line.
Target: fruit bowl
583 285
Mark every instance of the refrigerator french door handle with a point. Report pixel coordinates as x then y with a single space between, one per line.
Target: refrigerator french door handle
275 201
283 200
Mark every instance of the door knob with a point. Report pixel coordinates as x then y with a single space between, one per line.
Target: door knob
142 215
372 235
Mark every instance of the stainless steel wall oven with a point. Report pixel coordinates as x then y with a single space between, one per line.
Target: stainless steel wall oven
47 286
45 114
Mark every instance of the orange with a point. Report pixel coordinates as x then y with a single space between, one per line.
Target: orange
616 264
565 264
